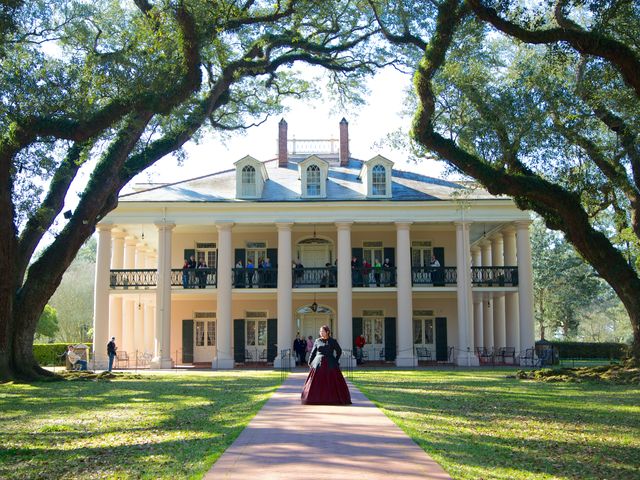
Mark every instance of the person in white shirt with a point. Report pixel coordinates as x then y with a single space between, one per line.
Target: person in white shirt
75 359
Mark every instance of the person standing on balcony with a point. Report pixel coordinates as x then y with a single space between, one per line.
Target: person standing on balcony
356 274
268 274
434 267
185 273
191 265
377 270
387 277
251 271
366 270
202 274
239 274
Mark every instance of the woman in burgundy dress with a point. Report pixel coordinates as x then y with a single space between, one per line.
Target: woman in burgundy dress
325 384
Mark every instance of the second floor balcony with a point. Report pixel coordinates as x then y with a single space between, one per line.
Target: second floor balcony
323 277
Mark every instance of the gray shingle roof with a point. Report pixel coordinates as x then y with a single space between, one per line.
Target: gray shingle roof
284 185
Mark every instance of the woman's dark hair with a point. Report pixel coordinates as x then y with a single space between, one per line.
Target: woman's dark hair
326 328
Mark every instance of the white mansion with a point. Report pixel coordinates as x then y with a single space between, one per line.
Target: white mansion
425 269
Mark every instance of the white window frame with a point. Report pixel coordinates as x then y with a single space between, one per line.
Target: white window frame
248 181
303 170
367 174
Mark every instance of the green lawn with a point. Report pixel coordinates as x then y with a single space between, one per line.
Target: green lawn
478 424
136 426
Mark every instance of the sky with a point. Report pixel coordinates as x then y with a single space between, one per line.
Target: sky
318 119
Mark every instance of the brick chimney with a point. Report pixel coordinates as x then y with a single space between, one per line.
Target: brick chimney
283 156
344 142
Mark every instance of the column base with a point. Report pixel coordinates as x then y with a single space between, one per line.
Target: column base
222 364
162 363
98 364
406 362
465 359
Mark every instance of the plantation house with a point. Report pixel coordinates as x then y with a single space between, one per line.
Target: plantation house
310 212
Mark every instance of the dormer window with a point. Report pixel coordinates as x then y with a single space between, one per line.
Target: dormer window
376 176
313 181
378 180
250 177
313 172
248 181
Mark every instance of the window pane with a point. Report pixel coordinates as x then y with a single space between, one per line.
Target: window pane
313 181
248 181
211 333
262 332
199 334
417 331
251 333
367 331
379 180
378 331
428 331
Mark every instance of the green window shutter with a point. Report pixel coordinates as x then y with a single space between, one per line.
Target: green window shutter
189 252
272 339
442 353
240 254
187 341
438 276
238 340
389 339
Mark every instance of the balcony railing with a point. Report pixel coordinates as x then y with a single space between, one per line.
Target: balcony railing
494 276
141 278
373 277
194 277
436 276
255 277
313 277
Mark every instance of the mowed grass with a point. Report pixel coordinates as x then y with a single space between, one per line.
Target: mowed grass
478 424
135 426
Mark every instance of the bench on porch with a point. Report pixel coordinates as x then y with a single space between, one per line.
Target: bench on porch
423 354
485 355
503 353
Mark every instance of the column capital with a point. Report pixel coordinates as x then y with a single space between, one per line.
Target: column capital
508 230
130 240
462 224
497 238
475 248
117 232
403 225
520 224
165 225
103 227
224 226
485 243
343 225
284 226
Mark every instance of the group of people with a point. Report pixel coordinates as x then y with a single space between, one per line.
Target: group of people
194 274
261 275
302 347
361 273
76 360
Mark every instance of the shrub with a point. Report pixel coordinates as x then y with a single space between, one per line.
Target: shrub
591 350
50 353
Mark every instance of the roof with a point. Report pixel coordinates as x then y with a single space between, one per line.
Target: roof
284 185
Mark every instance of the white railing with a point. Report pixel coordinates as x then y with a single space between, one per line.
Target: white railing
304 145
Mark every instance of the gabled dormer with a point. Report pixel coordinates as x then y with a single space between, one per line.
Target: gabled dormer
250 177
376 175
313 172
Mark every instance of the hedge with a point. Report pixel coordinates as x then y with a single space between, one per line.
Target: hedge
591 350
51 353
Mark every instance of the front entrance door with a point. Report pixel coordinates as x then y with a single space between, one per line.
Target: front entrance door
204 340
314 256
256 339
311 323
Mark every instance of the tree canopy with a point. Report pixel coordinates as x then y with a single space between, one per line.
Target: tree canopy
538 101
111 87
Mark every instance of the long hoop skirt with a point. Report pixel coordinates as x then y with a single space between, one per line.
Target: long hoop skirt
325 386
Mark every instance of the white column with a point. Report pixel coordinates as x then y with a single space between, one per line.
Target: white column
487 304
101 297
525 286
138 313
512 318
285 294
115 303
162 353
499 329
478 327
405 356
345 295
465 354
128 335
224 356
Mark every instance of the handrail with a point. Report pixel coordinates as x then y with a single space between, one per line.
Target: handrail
436 276
494 276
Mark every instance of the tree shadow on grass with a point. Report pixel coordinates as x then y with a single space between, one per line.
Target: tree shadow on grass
483 424
155 427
